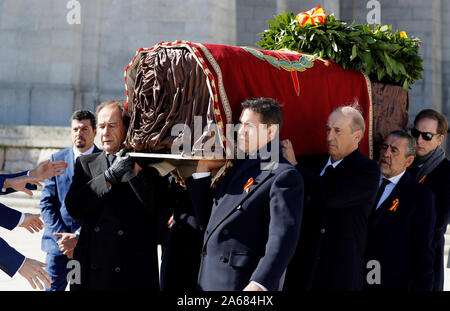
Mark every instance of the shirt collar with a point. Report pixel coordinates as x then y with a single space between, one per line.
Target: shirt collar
394 179
334 164
77 153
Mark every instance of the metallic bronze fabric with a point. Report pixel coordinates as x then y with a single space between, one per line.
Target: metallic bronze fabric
390 112
169 88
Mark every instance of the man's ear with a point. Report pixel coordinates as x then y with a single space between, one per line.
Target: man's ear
409 161
440 139
358 136
272 132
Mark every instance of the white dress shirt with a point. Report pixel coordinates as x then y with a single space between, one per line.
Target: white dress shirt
388 190
334 164
77 153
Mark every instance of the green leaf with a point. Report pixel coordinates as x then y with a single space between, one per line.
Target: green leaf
354 52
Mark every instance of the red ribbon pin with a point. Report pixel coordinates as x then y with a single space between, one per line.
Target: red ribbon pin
394 206
248 184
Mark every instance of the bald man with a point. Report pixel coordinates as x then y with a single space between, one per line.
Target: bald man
340 188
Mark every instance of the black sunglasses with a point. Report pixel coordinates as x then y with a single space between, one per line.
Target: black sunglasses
426 136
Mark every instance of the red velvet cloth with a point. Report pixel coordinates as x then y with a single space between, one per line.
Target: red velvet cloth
308 95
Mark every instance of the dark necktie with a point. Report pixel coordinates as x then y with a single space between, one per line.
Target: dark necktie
384 183
111 158
329 170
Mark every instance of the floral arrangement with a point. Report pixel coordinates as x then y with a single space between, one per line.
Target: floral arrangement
384 56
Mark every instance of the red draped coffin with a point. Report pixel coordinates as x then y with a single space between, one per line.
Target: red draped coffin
172 83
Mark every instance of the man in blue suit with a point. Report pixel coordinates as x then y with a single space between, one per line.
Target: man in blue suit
401 225
11 261
60 234
252 218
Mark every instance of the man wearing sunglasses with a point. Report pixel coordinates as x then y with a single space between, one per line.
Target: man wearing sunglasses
431 168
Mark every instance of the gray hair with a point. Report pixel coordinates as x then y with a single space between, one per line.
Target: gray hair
412 145
357 120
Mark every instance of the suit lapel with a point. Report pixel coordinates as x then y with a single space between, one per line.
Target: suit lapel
99 165
66 179
383 210
234 197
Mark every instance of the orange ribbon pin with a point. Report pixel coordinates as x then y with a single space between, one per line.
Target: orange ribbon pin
248 184
394 206
422 179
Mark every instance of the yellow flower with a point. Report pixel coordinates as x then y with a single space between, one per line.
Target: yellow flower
403 34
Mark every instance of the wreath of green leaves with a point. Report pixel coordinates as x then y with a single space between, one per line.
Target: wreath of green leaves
384 56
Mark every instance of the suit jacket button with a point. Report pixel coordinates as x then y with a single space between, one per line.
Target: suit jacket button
322 230
117 269
120 232
225 231
97 229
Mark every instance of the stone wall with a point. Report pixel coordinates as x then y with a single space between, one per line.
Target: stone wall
51 68
23 147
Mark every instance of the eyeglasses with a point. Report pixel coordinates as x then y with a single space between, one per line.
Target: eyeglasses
426 136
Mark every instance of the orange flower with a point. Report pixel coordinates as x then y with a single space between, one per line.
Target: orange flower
403 34
313 16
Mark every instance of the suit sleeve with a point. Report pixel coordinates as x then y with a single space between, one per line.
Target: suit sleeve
337 191
84 192
10 259
286 209
51 207
3 177
421 240
9 218
201 196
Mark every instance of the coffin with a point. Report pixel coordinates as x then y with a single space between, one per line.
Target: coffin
183 91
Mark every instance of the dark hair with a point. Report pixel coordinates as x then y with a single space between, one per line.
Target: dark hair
80 115
120 104
412 145
269 109
434 115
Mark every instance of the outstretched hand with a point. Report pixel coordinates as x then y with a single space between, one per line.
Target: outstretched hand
48 169
19 183
33 271
32 223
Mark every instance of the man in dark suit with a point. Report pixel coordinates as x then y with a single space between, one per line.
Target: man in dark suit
117 201
252 218
340 188
431 168
60 234
181 255
401 225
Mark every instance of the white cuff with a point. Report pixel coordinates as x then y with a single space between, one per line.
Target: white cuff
263 287
200 175
77 234
28 173
22 218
